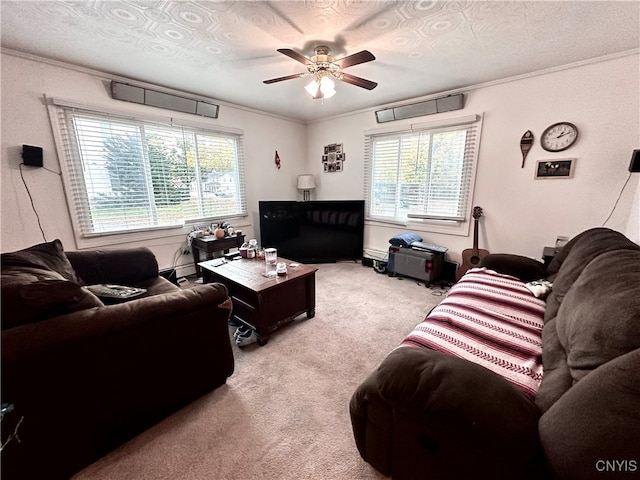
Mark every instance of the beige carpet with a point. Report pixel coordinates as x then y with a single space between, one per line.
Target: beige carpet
284 414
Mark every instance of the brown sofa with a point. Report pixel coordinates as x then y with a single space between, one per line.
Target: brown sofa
424 414
83 377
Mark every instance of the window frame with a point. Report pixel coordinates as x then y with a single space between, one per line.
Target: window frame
459 226
57 112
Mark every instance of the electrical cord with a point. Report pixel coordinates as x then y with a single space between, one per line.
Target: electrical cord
176 257
181 251
52 171
619 197
33 206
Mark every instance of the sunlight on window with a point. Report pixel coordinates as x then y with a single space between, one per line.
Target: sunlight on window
130 175
423 173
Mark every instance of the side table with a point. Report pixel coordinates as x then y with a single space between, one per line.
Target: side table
211 244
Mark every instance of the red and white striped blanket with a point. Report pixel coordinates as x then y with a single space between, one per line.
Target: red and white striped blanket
492 320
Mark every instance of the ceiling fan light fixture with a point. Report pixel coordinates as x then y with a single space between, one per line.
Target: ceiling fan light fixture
327 87
324 69
321 87
312 87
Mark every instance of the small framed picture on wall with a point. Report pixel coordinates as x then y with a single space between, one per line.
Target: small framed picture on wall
560 168
333 158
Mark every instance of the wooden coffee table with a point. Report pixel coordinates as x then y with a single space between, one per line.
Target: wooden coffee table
265 304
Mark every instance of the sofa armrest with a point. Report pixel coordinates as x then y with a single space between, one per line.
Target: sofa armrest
424 411
371 420
524 268
596 421
121 266
88 381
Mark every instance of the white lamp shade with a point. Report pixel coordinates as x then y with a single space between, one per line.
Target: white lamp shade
327 87
306 182
312 87
322 87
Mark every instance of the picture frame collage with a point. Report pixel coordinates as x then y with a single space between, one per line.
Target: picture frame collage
333 158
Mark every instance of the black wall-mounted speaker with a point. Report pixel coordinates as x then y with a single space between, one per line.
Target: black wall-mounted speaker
32 156
634 166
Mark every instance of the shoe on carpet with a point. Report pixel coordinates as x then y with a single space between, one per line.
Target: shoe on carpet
244 340
243 331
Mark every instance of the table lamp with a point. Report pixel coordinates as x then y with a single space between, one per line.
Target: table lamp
306 183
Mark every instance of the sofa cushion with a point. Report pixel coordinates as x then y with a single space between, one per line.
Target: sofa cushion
596 421
492 320
38 260
567 265
29 302
123 266
597 321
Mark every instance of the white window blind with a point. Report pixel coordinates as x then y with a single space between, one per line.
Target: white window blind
421 173
125 174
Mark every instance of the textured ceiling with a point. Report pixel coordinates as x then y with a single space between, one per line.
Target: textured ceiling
225 49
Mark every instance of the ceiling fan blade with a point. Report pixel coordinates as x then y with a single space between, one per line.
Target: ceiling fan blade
295 55
359 82
288 77
355 59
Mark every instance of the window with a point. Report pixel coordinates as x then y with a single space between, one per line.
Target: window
423 173
125 174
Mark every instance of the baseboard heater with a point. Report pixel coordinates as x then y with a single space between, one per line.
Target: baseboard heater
428 107
154 98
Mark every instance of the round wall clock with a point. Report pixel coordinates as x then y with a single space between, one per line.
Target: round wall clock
559 136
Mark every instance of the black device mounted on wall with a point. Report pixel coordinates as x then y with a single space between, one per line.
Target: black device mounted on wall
32 156
634 166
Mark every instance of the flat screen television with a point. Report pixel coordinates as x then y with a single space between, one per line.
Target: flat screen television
319 231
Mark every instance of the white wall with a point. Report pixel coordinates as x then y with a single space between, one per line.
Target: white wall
25 120
521 214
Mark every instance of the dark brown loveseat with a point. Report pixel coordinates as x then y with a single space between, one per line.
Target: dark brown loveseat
424 414
83 377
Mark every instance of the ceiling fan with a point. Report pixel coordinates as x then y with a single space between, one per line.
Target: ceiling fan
325 68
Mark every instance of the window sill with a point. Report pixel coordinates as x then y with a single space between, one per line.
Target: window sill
157 236
428 226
